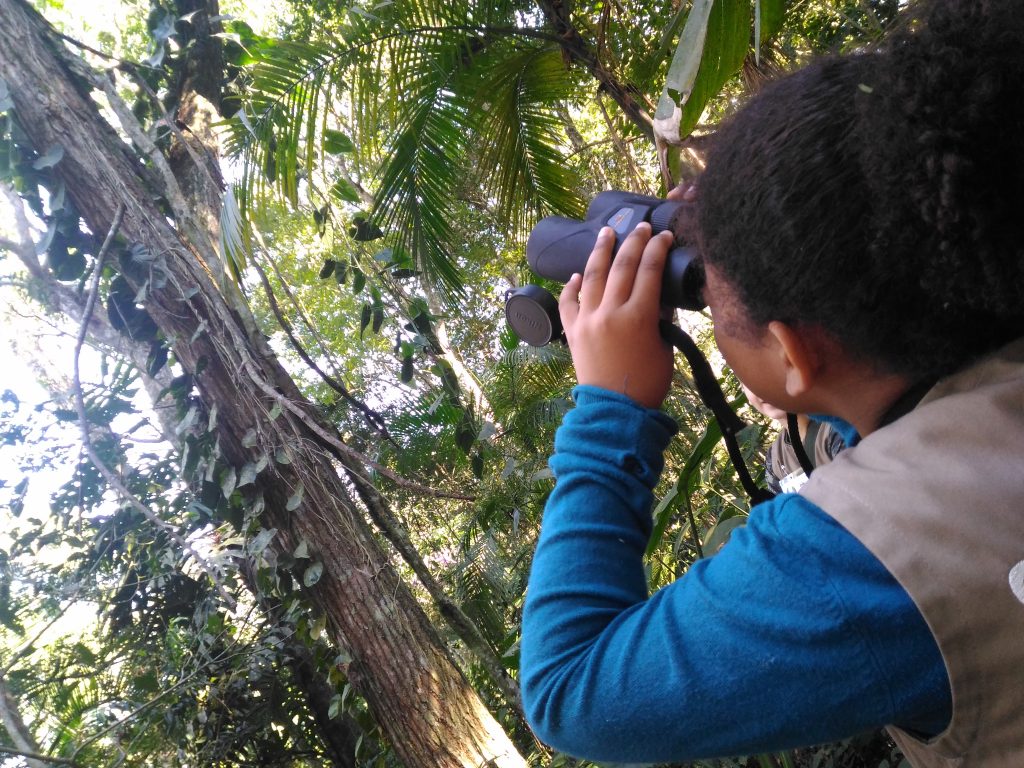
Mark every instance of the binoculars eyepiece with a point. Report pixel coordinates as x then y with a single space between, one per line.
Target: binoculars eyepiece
559 247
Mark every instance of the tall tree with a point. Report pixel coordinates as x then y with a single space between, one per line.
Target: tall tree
431 714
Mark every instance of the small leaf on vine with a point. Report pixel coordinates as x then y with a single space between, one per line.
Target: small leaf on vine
364 319
313 574
296 499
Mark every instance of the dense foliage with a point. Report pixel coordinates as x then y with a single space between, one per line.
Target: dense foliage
385 166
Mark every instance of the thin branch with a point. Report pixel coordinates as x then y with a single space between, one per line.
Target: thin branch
130 716
8 245
373 418
28 646
172 125
25 249
620 145
37 756
14 724
83 422
580 51
85 47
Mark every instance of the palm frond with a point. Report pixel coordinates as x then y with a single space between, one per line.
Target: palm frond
444 91
275 134
520 157
415 191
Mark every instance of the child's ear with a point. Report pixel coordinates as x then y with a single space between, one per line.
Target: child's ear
799 356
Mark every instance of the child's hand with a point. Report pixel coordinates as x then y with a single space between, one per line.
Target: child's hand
611 314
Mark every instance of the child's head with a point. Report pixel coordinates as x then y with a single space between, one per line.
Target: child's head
879 196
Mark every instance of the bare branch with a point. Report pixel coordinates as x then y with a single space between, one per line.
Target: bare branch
373 418
24 248
14 724
37 756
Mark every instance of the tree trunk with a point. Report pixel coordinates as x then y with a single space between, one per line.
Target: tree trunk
10 719
423 703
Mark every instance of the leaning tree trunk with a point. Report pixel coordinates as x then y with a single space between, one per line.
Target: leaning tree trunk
430 713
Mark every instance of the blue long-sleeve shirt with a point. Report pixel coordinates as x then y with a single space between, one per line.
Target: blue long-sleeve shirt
793 634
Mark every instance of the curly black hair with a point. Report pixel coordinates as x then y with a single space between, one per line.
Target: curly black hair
879 196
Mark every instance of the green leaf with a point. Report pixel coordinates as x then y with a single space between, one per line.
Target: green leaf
248 474
235 236
327 269
127 318
146 682
358 281
301 551
341 272
344 190
711 50
335 707
363 230
9 618
719 534
157 358
295 499
320 218
312 574
726 47
85 654
769 17
407 369
189 420
684 485
261 540
66 260
682 72
229 482
336 142
50 158
364 319
316 629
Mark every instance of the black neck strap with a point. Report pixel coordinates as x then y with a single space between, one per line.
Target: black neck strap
711 393
798 445
907 402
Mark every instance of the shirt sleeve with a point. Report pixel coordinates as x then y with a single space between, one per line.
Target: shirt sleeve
793 634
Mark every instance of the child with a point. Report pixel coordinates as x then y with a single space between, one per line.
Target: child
890 590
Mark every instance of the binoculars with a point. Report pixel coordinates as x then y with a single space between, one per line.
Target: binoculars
559 247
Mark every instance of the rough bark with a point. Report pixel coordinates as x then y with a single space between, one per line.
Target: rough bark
339 734
431 714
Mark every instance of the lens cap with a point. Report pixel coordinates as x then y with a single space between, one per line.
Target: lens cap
533 314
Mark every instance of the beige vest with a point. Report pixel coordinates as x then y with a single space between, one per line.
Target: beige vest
938 497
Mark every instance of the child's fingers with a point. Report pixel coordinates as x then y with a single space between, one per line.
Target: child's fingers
622 272
650 273
568 301
595 275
